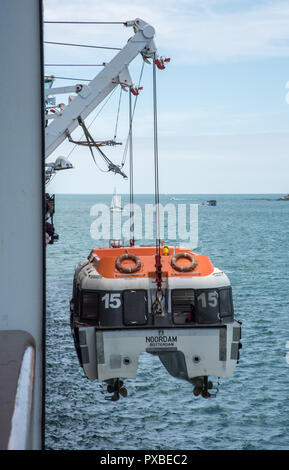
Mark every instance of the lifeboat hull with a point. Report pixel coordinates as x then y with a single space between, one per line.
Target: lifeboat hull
186 353
113 319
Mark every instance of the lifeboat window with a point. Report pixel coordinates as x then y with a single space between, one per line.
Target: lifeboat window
226 302
135 307
208 306
77 302
89 310
183 306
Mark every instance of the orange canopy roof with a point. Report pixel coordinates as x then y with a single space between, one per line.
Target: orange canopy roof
105 259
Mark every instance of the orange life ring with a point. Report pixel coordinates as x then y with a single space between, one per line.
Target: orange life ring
186 255
122 269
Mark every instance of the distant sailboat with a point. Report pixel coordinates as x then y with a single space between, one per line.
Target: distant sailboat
115 205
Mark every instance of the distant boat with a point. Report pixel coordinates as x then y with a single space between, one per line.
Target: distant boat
177 199
115 205
212 202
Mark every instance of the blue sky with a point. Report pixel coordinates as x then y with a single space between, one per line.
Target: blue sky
222 110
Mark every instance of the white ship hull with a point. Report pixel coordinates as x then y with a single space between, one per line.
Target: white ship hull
202 351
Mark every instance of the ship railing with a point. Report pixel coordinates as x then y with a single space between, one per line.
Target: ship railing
17 362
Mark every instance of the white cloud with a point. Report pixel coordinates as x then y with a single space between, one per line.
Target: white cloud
192 31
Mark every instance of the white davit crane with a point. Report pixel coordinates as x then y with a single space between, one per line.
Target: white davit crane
90 96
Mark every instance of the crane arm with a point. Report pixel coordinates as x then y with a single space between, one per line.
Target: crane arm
90 96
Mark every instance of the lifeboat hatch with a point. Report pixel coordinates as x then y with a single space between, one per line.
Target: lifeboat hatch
113 322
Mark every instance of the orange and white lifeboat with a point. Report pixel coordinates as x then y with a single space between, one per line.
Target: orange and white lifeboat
114 317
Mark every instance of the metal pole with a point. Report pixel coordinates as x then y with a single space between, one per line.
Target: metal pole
156 165
158 307
131 175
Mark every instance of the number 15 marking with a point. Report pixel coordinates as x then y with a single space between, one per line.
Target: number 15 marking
210 298
111 300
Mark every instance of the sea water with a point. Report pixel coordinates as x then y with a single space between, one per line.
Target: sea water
247 237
